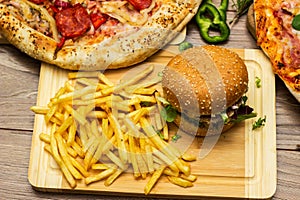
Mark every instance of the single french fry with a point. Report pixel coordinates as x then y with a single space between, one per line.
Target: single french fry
166 132
87 82
59 115
45 138
153 180
149 158
103 100
144 91
146 84
113 177
188 157
71 152
54 120
180 181
83 137
170 172
93 95
135 79
72 134
76 94
102 166
105 80
50 113
65 125
115 159
158 122
133 158
47 147
159 107
39 109
144 98
140 114
82 74
120 138
100 176
191 177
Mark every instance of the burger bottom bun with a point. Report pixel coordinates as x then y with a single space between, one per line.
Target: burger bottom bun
191 128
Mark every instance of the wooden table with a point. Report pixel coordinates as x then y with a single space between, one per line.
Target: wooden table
19 88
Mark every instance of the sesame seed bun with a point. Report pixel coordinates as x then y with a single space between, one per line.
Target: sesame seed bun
204 80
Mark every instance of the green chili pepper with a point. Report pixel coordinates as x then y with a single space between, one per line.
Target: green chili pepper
209 18
222 8
296 22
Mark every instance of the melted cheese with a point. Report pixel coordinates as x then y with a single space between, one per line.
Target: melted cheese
121 11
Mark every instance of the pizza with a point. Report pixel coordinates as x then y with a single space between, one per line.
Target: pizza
93 34
279 39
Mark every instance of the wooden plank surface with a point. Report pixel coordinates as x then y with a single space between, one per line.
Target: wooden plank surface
19 81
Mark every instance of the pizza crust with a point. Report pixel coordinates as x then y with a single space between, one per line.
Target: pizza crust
121 50
264 25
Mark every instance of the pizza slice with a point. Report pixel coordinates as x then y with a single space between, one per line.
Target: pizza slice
279 39
93 34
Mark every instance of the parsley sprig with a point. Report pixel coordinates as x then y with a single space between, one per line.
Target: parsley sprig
241 7
259 123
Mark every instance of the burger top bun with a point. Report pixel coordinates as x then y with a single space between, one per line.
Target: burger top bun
203 74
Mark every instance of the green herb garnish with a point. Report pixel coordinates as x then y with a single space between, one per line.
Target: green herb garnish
184 45
169 113
241 7
296 22
259 123
145 103
257 82
160 74
175 138
244 99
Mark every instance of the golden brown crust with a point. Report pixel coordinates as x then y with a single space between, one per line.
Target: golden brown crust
278 40
118 51
187 86
25 38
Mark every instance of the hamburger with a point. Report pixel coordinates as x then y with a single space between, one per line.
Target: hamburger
206 85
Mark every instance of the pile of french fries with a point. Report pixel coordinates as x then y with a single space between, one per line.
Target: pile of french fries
101 129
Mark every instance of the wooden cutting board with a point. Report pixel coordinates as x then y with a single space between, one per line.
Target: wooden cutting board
242 164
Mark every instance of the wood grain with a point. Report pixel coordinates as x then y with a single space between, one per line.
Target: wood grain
15 144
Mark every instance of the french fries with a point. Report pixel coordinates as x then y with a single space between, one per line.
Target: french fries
101 130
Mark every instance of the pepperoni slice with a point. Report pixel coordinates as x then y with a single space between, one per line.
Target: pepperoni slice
73 22
140 4
61 4
38 1
98 19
